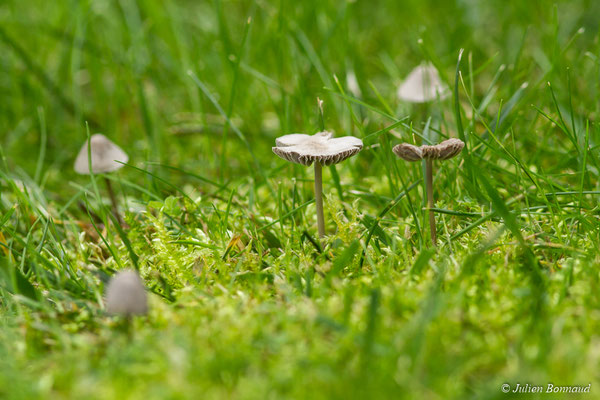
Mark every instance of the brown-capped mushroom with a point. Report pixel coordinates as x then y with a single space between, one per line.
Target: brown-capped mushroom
321 149
442 151
422 85
126 294
105 157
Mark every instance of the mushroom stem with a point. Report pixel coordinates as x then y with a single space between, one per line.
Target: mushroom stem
429 180
319 198
113 200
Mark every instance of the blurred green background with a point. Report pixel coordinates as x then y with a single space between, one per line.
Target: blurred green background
123 67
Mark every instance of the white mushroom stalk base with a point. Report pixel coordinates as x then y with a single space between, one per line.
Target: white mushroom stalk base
429 180
319 198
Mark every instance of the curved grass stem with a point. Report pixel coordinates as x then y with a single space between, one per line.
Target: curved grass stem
113 200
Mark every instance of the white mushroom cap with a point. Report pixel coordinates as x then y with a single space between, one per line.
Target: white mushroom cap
423 84
106 156
126 294
442 151
320 147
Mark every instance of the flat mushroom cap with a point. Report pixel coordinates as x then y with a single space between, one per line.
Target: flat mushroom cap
408 152
442 151
106 156
126 294
423 84
320 147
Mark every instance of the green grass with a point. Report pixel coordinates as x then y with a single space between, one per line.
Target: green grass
244 303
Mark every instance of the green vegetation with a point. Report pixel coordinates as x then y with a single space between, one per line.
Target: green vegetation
244 302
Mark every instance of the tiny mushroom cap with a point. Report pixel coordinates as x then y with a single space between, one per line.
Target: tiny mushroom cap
320 147
442 151
408 152
106 156
422 85
126 294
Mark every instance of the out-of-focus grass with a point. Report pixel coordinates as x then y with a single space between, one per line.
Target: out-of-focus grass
242 303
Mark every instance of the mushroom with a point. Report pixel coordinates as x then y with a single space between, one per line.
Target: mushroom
105 157
322 149
442 151
422 85
126 294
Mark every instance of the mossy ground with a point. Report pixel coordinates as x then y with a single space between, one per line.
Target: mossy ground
244 302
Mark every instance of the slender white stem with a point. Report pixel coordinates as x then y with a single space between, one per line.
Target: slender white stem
319 198
429 179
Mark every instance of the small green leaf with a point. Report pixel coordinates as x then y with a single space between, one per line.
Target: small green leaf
171 206
422 261
344 259
13 280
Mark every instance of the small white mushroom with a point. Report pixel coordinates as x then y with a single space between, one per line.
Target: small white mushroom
422 85
320 149
443 151
105 157
126 294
